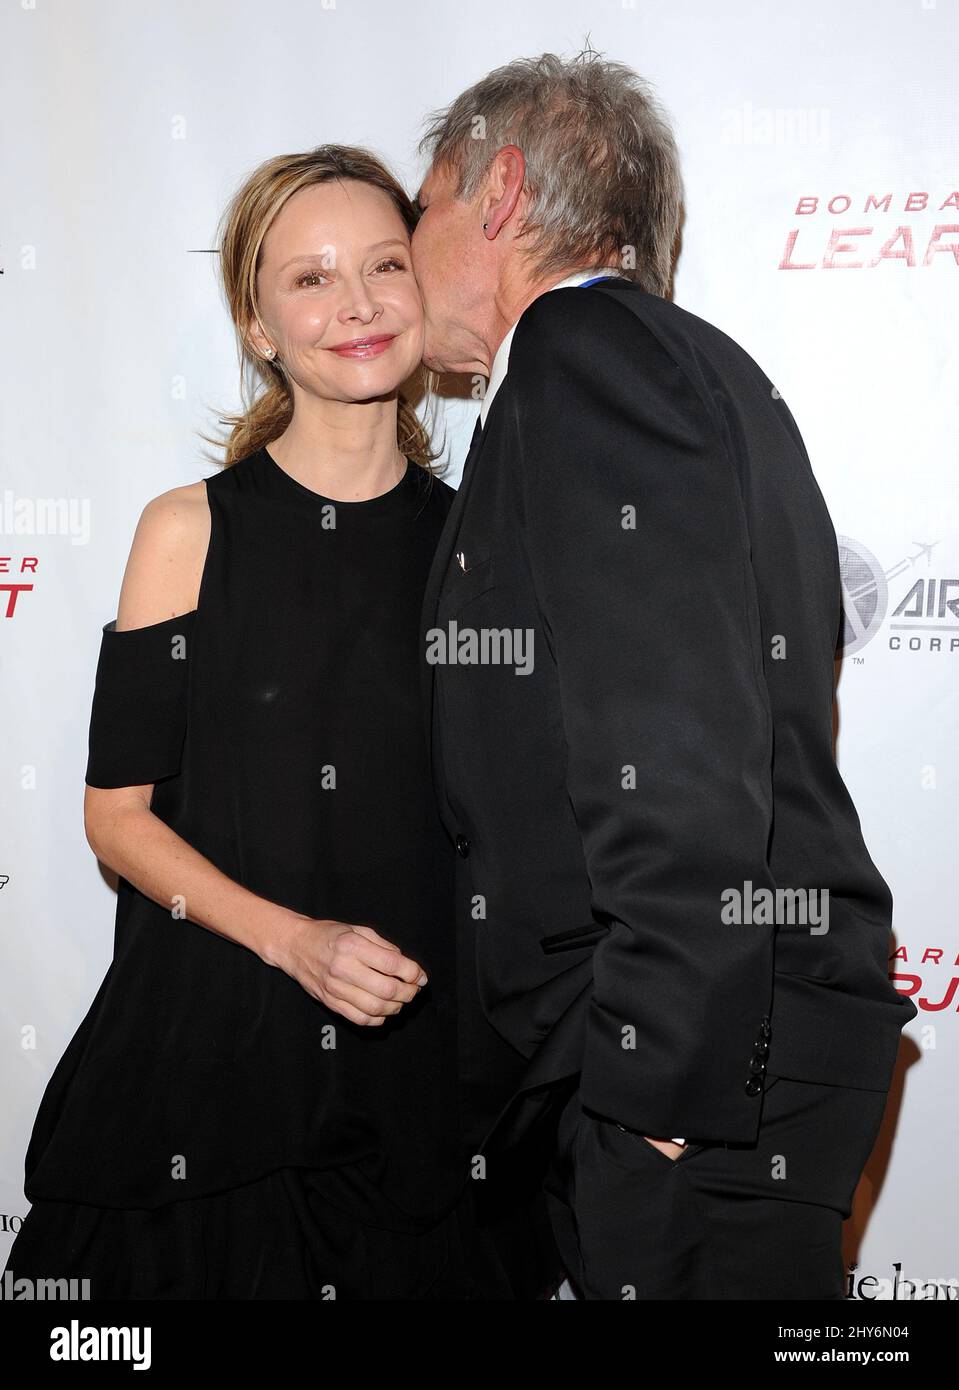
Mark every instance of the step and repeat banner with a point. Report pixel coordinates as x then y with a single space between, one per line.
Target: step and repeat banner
821 232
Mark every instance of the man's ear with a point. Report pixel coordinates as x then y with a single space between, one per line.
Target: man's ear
507 178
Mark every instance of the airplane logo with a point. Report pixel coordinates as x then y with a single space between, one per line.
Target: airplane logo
924 552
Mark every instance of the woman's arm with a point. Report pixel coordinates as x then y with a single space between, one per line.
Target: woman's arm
349 968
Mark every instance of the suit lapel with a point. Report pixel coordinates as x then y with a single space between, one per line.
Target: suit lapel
434 584
444 549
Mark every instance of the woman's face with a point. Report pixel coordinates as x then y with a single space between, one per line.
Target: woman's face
335 267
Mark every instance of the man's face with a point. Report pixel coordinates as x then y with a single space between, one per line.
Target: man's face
451 267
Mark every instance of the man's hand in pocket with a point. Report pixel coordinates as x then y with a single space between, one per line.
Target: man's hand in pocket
666 1146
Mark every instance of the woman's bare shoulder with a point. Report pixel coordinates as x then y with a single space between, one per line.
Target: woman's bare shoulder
165 565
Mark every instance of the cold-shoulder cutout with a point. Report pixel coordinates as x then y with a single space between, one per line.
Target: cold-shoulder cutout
167 557
138 719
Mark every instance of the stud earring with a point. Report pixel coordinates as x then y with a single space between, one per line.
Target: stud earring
269 352
485 225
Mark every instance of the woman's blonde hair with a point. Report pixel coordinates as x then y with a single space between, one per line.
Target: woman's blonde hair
265 390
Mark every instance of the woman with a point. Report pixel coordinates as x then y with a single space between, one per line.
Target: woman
261 1101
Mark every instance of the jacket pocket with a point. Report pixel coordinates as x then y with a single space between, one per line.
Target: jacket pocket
574 939
462 586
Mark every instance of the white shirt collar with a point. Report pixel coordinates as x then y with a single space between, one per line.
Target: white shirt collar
501 360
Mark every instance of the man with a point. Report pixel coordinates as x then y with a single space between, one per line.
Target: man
629 639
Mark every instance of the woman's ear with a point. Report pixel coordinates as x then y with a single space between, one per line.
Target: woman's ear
257 341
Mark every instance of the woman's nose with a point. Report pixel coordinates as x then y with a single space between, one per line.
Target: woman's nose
358 302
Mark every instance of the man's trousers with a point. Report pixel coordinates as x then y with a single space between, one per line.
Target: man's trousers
722 1221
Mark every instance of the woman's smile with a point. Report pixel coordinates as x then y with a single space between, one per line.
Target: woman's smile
373 345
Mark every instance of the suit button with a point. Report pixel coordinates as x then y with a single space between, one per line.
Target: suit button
757 1064
462 845
761 1046
764 1028
753 1086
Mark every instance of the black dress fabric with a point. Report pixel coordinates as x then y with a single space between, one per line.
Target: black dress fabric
212 1130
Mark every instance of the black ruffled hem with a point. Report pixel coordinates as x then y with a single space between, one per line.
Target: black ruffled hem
279 1237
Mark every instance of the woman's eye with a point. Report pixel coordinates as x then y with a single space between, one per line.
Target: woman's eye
314 277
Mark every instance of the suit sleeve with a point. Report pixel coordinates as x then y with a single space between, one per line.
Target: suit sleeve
639 556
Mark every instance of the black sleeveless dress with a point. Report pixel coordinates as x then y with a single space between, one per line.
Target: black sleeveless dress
212 1131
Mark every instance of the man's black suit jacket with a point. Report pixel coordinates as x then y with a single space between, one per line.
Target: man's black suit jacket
640 508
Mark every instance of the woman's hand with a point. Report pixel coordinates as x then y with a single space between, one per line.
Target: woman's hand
351 969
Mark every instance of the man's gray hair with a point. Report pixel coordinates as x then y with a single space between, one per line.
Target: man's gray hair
602 167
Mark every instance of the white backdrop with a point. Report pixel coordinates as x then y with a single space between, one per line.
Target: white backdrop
821 232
